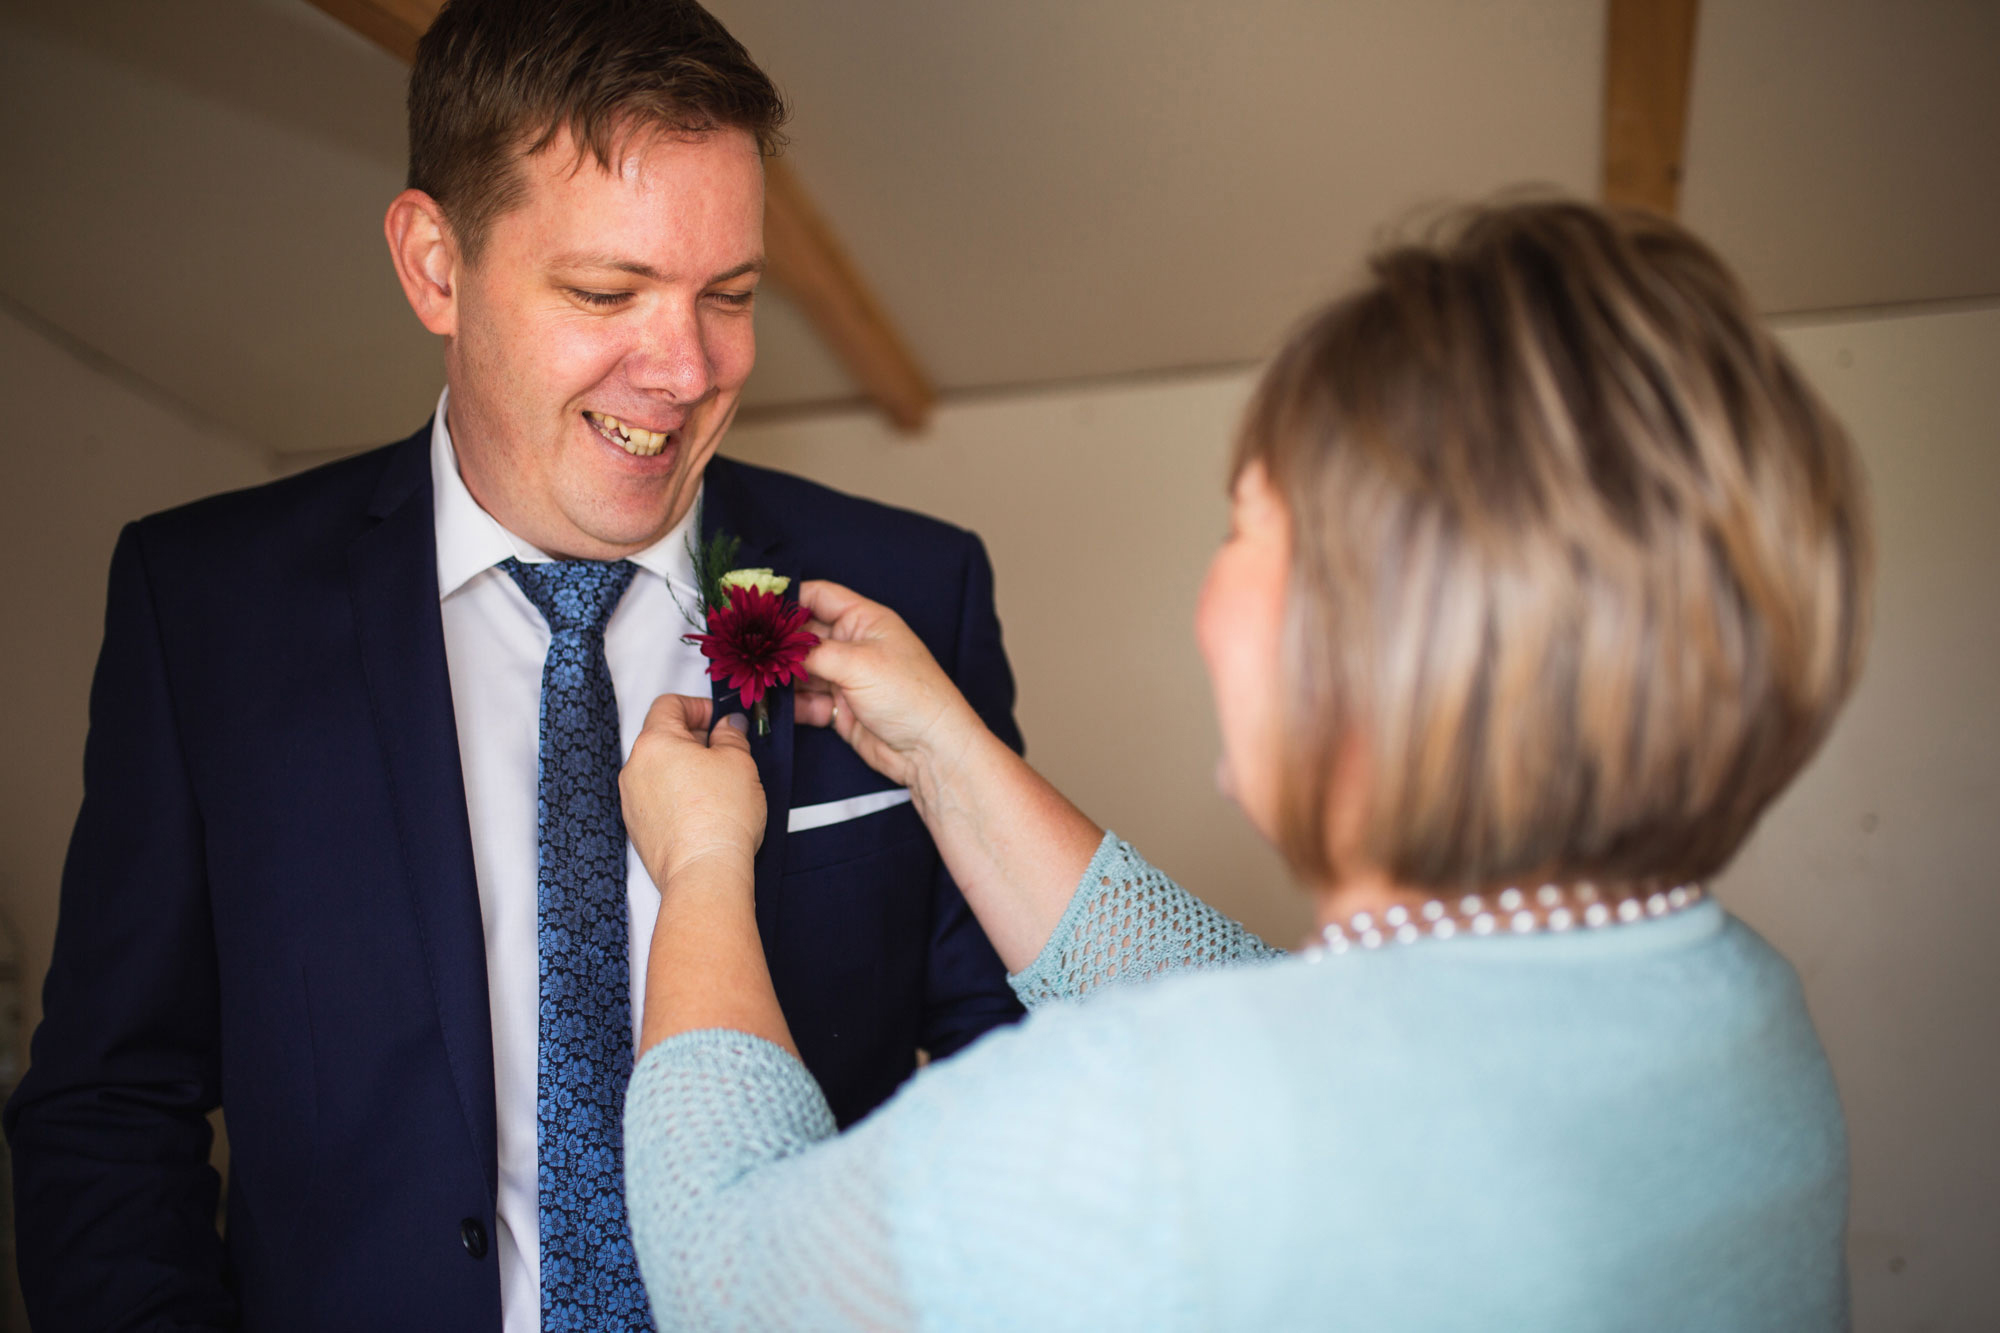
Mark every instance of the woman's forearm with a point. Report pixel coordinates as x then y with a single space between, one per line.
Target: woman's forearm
1014 844
706 968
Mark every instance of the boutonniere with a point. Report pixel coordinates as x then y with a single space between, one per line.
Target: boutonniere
754 639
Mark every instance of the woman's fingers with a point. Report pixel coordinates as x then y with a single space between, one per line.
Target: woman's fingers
836 664
828 601
845 616
679 716
812 705
686 718
872 680
732 733
684 793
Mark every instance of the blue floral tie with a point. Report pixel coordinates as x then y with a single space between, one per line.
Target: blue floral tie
590 1279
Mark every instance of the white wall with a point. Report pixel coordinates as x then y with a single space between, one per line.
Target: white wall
1879 873
1875 874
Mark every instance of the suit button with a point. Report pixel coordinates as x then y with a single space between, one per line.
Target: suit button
474 1237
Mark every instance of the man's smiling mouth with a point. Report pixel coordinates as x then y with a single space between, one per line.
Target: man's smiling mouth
635 440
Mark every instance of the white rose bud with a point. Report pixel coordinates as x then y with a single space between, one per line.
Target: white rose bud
762 580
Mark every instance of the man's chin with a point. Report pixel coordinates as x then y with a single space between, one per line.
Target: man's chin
621 504
611 533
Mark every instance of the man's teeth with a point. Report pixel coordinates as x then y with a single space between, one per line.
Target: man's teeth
632 439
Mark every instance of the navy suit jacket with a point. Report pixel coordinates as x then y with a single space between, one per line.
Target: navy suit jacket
269 905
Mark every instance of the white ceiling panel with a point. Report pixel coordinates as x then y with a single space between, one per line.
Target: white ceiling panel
1047 189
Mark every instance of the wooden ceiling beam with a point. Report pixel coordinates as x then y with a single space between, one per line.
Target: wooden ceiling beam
1648 66
393 25
808 261
806 258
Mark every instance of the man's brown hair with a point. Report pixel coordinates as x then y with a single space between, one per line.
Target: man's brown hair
498 80
1580 563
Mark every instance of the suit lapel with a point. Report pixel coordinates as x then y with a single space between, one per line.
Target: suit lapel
392 576
727 507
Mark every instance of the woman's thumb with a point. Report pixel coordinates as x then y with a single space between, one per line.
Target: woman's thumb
731 733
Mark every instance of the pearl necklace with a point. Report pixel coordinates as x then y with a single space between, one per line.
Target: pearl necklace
1555 908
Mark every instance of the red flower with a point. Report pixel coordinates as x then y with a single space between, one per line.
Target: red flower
756 641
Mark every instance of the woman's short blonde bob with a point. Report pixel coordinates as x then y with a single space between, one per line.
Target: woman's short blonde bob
1580 565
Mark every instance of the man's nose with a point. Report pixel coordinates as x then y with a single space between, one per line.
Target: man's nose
672 355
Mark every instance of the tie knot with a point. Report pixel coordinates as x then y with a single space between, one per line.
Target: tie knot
573 594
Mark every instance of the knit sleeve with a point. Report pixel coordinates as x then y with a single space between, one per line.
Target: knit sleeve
1034 1180
747 1212
1128 923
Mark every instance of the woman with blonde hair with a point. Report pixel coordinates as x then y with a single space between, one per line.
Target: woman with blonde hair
1547 574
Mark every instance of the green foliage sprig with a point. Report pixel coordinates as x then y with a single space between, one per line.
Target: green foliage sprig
711 562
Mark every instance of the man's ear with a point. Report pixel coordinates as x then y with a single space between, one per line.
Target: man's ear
426 256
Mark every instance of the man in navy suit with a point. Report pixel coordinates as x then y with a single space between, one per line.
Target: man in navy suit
303 882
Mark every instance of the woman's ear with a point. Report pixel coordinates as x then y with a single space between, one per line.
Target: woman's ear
426 256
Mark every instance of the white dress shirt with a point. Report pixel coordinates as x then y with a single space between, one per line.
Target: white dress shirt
495 642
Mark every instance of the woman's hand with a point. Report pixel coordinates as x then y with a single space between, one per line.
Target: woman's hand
876 684
691 794
695 810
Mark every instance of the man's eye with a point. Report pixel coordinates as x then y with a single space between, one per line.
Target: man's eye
599 298
734 300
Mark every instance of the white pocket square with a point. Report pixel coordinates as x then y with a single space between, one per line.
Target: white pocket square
805 817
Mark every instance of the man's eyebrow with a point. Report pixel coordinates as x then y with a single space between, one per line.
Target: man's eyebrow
647 271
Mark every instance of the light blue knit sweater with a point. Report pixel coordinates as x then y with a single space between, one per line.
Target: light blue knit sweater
1629 1128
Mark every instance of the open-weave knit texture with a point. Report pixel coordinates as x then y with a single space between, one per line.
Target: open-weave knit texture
1129 923
1630 1128
720 1248
734 1226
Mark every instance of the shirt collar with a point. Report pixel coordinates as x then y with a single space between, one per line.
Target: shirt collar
471 541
